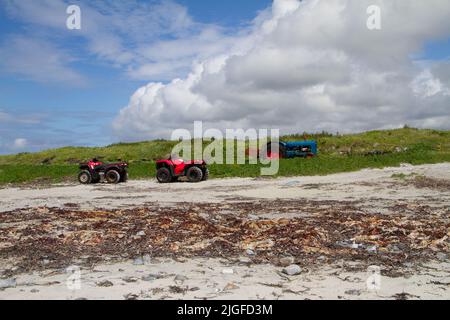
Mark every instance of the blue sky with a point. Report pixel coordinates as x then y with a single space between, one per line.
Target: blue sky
68 112
66 87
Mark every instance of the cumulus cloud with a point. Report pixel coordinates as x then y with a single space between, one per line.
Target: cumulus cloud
310 65
20 143
38 60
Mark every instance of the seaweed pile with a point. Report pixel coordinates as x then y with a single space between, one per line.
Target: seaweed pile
325 231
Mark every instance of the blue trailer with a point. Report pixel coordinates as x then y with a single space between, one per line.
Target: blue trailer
294 149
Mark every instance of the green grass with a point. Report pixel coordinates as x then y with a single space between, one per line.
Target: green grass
337 153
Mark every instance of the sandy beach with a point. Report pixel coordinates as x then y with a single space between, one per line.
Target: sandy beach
371 234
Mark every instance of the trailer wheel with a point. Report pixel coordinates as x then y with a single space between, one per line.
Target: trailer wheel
84 177
194 174
163 175
112 176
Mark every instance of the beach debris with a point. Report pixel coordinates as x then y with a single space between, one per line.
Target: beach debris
104 283
353 292
230 286
333 231
130 279
178 290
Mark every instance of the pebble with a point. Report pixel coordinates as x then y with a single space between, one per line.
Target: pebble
250 252
227 271
292 270
286 261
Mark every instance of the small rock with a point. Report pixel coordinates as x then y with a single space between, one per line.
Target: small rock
292 270
7 283
130 279
180 278
286 261
227 271
140 234
34 290
250 252
105 283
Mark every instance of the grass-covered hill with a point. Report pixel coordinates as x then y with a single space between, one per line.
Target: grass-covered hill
337 153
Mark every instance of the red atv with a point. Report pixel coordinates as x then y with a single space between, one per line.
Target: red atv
173 168
95 171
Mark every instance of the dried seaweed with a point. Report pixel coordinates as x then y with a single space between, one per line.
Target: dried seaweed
61 237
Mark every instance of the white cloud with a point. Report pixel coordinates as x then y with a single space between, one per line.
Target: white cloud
20 143
37 60
147 40
310 66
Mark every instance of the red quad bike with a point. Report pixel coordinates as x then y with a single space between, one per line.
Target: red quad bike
173 168
95 171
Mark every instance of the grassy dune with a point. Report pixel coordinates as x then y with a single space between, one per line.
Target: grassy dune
337 153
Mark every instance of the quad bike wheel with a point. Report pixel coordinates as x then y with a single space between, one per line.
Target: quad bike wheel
194 174
84 177
163 175
112 176
205 175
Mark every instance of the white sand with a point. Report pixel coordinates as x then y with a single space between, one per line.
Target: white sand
375 189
